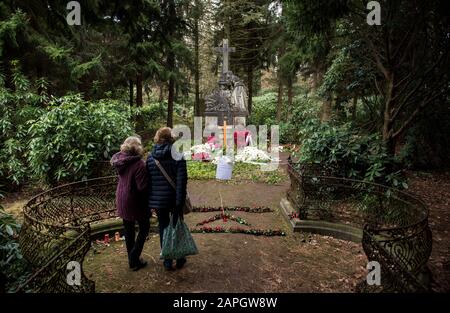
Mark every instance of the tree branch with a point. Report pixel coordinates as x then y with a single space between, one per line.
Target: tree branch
380 65
414 114
414 90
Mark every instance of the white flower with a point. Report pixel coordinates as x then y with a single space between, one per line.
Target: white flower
204 148
245 155
252 154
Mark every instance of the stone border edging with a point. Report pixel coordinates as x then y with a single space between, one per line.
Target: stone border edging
336 230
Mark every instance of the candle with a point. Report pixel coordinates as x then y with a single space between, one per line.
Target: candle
106 239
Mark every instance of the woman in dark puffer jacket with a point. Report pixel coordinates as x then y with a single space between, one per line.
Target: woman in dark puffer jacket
162 196
131 197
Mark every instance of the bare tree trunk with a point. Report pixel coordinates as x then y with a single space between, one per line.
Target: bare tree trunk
161 92
131 90
148 91
139 100
280 100
250 87
290 94
326 109
387 122
196 63
170 100
177 93
172 15
8 71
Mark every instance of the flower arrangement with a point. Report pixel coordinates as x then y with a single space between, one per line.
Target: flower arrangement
201 152
252 154
246 155
202 148
224 216
294 215
205 209
235 230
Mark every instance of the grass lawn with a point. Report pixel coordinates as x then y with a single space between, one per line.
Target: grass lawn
241 172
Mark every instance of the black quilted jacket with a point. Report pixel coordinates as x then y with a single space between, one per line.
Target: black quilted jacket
161 194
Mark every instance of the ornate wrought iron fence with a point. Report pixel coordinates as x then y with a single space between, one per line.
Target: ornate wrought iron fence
57 227
57 230
394 223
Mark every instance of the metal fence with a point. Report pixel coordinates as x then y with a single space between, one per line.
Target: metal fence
57 227
394 223
57 230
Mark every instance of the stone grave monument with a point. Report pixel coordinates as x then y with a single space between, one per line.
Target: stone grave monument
228 102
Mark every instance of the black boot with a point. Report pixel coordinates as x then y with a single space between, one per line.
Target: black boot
181 262
138 265
168 265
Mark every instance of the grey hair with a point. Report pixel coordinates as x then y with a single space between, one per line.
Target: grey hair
132 145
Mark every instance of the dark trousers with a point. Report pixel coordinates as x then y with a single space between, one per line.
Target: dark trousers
135 245
163 221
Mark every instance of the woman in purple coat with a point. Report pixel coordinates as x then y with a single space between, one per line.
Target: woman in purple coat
132 197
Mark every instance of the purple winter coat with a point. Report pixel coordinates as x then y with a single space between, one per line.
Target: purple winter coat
132 191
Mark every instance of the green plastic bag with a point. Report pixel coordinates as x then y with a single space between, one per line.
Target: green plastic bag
177 241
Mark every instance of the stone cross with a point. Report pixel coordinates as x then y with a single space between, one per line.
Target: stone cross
225 50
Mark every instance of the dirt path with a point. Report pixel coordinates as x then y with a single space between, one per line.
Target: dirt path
236 262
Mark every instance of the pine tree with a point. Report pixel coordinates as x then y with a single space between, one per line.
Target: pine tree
249 25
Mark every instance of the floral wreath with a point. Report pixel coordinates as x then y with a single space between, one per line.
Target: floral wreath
203 209
227 216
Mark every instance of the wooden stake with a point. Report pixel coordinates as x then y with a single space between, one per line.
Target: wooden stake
223 208
225 135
